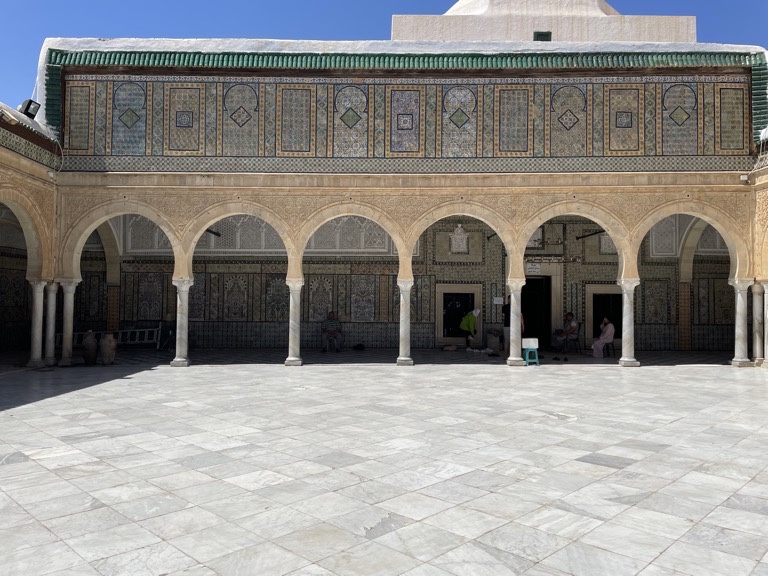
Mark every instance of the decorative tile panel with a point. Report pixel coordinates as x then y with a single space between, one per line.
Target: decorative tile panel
514 121
680 119
624 108
127 119
79 117
731 119
405 121
184 119
240 120
297 114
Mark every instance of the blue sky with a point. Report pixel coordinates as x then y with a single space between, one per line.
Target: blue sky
723 21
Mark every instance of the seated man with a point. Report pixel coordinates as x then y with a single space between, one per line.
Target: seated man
569 331
330 331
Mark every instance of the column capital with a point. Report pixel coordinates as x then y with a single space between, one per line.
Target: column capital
741 284
294 284
38 285
515 284
405 284
69 285
183 284
759 288
52 287
628 284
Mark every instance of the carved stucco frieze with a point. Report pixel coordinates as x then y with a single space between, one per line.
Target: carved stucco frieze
296 210
406 210
40 197
762 209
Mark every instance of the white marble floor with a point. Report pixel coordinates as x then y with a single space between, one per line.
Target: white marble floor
379 470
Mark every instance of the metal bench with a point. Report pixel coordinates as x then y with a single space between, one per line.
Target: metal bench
144 336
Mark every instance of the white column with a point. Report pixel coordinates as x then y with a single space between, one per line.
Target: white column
404 359
515 334
741 355
758 324
68 322
628 286
36 346
182 322
50 323
294 323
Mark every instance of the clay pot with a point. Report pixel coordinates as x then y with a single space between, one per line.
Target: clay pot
108 347
90 348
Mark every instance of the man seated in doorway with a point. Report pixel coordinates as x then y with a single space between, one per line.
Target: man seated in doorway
569 331
330 331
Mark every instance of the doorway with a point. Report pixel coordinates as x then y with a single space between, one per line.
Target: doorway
453 301
536 306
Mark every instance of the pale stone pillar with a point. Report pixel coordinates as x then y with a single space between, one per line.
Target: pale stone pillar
764 315
628 286
68 322
741 355
36 347
182 322
294 323
515 334
50 323
758 324
404 359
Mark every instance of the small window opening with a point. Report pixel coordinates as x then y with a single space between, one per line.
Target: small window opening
542 36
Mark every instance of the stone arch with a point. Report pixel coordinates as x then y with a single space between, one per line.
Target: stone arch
197 227
727 227
606 220
74 239
39 267
500 225
372 213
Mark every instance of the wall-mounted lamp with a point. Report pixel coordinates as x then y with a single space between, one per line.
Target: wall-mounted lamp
6 116
744 178
29 108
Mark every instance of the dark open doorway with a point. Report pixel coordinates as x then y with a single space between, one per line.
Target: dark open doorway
606 305
536 305
455 306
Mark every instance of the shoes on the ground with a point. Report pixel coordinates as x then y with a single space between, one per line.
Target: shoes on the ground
565 359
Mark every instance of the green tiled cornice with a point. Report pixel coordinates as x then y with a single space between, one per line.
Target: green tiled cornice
337 61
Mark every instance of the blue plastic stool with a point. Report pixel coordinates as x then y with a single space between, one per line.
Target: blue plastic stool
531 351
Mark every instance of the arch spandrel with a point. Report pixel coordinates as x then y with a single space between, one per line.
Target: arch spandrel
75 237
733 234
605 219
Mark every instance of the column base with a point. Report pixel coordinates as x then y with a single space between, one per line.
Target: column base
64 362
180 362
515 362
294 361
404 361
629 362
50 361
759 362
35 364
741 362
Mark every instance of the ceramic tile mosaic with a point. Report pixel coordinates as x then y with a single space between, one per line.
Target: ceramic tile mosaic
299 124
